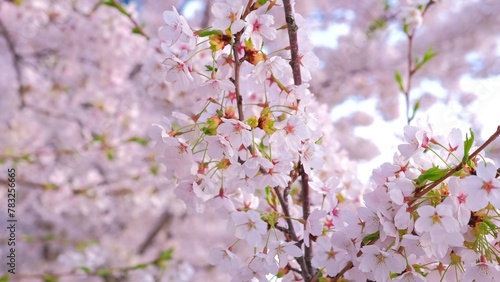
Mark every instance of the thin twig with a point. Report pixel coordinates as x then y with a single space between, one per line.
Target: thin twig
137 28
411 68
291 230
16 59
294 45
297 79
236 81
237 64
164 220
456 169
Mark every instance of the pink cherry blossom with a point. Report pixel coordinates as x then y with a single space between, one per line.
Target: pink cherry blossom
292 132
228 15
237 132
380 263
259 26
482 188
249 226
176 28
331 257
482 272
313 225
224 258
436 220
282 251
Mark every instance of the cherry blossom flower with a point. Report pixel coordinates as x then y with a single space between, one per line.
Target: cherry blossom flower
249 226
254 164
313 225
259 26
329 189
178 151
308 60
217 86
482 187
176 28
278 175
276 66
331 257
412 16
458 199
282 251
482 272
414 136
237 132
291 132
436 220
312 156
179 73
223 258
190 192
228 15
411 276
260 263
380 263
218 147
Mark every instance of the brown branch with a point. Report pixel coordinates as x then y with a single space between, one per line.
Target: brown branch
410 76
306 210
291 230
295 64
137 28
294 45
16 59
164 220
411 68
236 81
237 62
455 169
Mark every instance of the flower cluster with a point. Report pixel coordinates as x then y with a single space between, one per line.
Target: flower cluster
250 149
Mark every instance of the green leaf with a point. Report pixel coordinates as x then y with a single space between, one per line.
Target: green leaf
371 237
154 170
141 141
140 266
4 278
415 109
399 79
491 226
262 2
98 138
136 30
103 272
406 28
50 278
377 24
116 5
210 68
206 33
469 141
270 198
429 54
432 174
110 155
166 255
85 269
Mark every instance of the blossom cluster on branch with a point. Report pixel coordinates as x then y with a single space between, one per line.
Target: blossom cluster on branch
251 149
266 177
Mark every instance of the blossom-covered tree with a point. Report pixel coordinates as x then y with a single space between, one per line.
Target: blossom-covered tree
246 171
